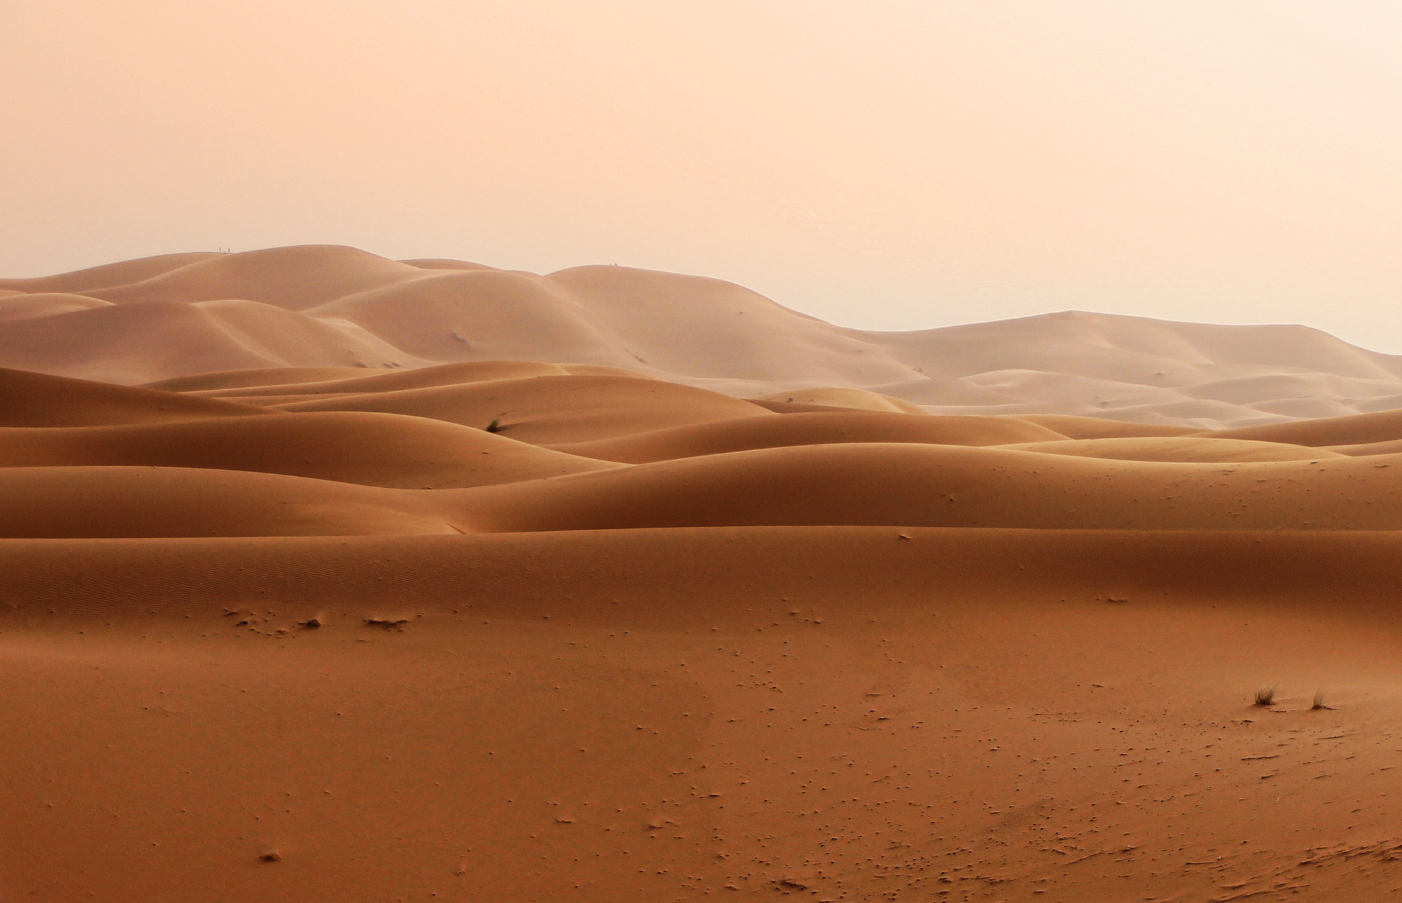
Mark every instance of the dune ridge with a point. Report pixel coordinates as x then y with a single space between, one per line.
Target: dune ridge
184 315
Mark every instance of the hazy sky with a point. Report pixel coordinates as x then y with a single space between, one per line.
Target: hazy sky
889 165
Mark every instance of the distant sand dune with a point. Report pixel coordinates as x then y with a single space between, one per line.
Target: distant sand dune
325 576
327 306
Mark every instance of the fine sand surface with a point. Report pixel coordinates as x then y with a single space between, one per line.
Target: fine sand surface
361 607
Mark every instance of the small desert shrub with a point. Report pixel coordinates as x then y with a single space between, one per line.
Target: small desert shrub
495 426
1265 696
1319 700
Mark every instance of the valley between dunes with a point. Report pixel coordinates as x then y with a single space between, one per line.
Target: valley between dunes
330 577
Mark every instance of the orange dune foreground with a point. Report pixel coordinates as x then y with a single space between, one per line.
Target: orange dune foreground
327 577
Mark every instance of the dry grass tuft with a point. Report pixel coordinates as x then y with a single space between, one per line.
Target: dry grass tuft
1265 696
1319 701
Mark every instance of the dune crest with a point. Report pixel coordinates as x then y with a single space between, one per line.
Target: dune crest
317 306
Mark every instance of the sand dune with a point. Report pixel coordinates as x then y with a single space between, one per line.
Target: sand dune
326 306
257 377
106 276
553 409
345 577
1183 449
139 343
1074 427
424 378
291 278
1356 429
953 486
95 502
369 449
820 428
859 399
33 399
44 304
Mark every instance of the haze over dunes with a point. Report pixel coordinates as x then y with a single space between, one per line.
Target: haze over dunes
337 308
325 576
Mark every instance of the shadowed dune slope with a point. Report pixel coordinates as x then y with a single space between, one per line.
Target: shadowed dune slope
351 447
554 409
827 427
97 502
36 400
951 486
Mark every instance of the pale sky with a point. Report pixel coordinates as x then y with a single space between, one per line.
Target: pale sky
889 164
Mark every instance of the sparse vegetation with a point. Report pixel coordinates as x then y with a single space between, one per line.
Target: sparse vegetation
1265 696
495 426
1319 700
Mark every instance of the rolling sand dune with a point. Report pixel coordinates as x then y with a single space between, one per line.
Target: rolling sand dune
1184 449
33 399
369 449
345 578
92 502
107 276
131 343
553 409
1357 429
859 399
952 486
327 306
717 437
256 378
290 278
46 304
424 378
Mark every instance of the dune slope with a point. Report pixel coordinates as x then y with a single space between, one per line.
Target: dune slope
385 450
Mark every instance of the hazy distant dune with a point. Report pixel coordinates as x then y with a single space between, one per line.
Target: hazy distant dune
181 315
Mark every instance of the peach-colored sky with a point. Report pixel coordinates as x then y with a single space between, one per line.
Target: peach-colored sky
879 164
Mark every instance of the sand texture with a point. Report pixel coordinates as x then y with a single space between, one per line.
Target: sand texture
326 577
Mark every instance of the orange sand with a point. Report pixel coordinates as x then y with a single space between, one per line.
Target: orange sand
307 630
